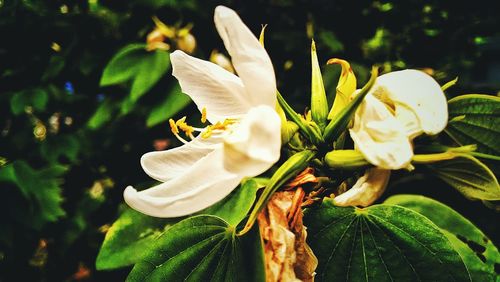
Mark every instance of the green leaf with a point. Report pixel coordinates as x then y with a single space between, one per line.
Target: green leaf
152 67
124 65
477 250
202 248
474 119
102 115
54 68
40 187
236 205
134 63
469 176
61 145
380 243
36 98
129 238
175 101
149 70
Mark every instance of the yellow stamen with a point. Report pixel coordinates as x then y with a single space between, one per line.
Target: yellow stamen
188 130
217 126
204 115
207 133
173 126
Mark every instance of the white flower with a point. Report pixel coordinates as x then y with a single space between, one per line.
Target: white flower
401 106
244 140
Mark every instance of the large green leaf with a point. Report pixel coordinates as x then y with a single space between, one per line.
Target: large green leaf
202 248
174 102
380 243
474 119
40 187
129 237
469 176
477 250
236 205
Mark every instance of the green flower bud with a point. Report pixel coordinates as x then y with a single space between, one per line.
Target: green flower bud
345 159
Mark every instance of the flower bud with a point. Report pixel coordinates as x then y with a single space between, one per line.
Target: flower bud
187 43
221 60
345 159
319 104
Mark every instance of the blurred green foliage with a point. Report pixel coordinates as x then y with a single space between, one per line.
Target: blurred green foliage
81 100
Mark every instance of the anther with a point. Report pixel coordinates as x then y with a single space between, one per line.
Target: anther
204 115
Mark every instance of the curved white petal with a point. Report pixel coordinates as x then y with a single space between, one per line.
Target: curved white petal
379 136
420 93
254 146
201 186
165 165
250 59
367 189
210 86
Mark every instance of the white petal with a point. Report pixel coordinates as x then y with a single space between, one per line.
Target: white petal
210 86
250 59
367 189
204 184
379 136
419 92
254 146
165 165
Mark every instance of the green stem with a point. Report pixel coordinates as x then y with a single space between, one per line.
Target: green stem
285 172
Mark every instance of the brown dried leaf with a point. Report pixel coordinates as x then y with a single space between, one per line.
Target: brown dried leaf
287 255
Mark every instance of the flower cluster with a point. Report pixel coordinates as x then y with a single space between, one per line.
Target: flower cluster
245 135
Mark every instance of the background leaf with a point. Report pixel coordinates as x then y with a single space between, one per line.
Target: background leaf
52 149
380 243
102 115
477 250
124 65
202 248
36 98
469 176
38 186
129 238
174 102
474 119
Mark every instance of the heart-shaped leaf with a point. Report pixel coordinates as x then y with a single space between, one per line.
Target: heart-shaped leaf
474 119
133 233
477 250
129 237
380 243
202 248
469 176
